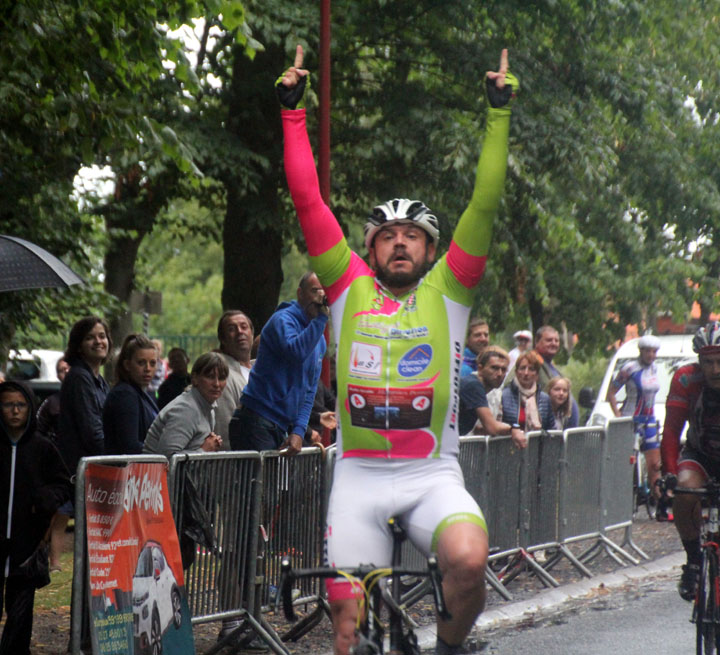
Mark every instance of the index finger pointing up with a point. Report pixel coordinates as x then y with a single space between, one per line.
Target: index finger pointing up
503 61
299 57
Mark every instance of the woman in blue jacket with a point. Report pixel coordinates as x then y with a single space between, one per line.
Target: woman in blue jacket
524 405
129 410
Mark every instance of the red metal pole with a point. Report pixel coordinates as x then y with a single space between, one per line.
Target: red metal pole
324 114
324 147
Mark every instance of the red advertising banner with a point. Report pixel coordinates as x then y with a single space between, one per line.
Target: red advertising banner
137 589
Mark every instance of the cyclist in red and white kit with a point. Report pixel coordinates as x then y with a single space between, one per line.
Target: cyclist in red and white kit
694 399
400 323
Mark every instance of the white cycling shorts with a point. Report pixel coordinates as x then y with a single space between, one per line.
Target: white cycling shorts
426 495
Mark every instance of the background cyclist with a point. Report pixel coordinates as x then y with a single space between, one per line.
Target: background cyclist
400 327
694 399
641 382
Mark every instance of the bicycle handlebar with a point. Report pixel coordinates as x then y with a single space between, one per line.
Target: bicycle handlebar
670 483
288 575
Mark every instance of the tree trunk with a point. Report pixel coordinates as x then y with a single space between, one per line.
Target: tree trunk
254 227
252 267
119 281
537 311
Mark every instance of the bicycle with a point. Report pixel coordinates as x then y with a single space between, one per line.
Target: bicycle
706 606
642 494
370 630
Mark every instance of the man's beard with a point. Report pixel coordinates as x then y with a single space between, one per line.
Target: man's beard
401 278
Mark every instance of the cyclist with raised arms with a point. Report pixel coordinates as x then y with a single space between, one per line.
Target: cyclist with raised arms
400 328
640 379
694 398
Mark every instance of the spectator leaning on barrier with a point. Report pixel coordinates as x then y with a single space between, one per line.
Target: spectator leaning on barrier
277 401
559 390
524 405
322 415
475 411
478 337
235 333
547 345
33 484
188 422
129 409
177 380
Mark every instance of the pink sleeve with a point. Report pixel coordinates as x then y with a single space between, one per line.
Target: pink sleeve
317 222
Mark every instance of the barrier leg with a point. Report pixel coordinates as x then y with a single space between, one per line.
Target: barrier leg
307 623
628 541
495 583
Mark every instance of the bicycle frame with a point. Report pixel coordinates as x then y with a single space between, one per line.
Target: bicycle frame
371 630
706 606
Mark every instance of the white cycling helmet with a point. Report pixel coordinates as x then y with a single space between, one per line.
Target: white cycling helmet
707 339
405 211
649 341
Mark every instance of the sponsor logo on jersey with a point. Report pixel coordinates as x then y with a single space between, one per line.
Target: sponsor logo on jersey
415 360
409 333
381 306
457 362
365 360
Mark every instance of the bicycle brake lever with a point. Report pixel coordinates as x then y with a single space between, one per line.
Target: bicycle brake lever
436 580
285 591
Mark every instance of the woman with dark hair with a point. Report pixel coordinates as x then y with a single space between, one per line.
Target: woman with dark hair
83 391
129 409
82 397
188 422
524 405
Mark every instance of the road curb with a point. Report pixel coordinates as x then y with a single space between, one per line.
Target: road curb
550 601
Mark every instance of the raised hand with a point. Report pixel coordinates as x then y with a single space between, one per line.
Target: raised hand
501 86
290 86
293 74
498 77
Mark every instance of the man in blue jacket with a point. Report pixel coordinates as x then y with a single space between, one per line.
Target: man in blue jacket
279 395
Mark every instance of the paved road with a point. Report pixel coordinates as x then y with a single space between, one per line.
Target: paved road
649 618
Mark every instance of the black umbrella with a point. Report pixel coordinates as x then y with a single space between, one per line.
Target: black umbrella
23 265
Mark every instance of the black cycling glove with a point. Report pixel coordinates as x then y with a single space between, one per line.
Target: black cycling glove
291 97
501 97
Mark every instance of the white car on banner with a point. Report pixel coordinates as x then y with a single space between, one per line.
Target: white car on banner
156 599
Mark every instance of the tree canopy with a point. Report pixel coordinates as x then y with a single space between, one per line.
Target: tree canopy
610 211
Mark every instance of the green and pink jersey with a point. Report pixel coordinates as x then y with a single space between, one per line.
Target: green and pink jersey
398 358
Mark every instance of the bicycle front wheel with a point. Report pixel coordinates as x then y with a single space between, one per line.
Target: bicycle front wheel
707 610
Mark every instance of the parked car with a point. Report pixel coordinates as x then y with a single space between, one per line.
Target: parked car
156 599
675 350
37 368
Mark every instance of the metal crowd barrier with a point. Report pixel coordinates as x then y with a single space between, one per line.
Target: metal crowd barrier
293 518
216 506
617 480
238 514
582 506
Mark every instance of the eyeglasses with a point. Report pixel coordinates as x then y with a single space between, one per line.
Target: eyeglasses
11 406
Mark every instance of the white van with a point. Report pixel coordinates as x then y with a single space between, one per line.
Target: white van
37 368
675 351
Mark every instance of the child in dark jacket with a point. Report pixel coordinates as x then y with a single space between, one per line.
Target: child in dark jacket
34 482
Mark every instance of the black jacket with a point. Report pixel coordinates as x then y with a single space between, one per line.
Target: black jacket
41 485
127 416
80 428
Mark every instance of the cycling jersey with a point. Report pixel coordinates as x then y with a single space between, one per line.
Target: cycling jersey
691 401
641 384
398 358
